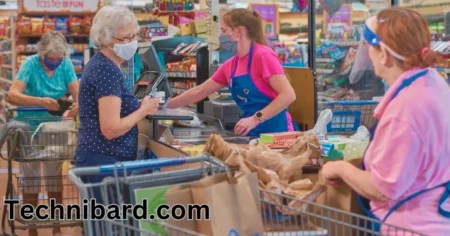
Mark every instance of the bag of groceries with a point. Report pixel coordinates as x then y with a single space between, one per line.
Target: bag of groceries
233 202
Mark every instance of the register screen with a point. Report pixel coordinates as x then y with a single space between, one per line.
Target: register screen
147 79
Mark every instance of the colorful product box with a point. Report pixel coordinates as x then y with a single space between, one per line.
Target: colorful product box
283 138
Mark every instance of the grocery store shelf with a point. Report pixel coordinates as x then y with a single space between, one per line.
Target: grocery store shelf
67 35
342 43
7 66
157 38
324 71
5 53
6 80
182 74
325 60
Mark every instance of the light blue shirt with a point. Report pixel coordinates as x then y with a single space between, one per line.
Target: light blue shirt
39 84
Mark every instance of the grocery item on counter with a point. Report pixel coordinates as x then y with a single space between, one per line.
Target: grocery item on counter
280 140
62 25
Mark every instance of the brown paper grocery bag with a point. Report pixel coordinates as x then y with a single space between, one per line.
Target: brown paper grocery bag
234 205
182 195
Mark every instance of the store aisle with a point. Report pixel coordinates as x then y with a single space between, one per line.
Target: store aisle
75 231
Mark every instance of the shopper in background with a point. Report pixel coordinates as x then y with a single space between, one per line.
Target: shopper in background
407 163
109 113
254 76
42 79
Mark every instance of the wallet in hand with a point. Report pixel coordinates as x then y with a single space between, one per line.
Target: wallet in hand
64 105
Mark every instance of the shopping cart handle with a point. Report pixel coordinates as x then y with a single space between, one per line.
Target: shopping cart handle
351 102
29 109
141 165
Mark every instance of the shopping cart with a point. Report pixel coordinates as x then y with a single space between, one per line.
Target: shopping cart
281 214
38 138
349 115
119 189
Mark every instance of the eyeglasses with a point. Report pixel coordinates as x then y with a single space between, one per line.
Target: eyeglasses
128 39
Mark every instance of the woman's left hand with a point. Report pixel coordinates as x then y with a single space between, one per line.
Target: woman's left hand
330 172
245 125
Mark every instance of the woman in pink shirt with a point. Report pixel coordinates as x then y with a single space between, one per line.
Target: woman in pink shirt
405 176
254 76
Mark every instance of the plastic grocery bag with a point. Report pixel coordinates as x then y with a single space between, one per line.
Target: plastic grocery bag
56 137
325 118
361 134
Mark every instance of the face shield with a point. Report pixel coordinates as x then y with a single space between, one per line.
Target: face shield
363 65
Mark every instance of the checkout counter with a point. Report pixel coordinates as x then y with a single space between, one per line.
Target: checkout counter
217 116
162 128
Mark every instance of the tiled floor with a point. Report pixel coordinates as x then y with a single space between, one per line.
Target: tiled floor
75 231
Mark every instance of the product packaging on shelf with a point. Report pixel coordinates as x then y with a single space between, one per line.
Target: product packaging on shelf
37 26
24 26
75 25
61 25
49 25
174 5
86 25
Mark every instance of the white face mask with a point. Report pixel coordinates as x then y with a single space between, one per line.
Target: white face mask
126 51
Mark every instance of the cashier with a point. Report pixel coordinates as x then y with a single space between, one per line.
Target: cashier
254 76
405 175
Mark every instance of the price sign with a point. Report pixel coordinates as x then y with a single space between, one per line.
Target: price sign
55 6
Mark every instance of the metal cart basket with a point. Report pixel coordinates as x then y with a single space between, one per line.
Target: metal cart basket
33 137
281 214
349 115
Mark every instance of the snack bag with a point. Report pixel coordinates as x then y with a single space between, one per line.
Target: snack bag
61 25
24 26
37 26
86 25
49 25
75 25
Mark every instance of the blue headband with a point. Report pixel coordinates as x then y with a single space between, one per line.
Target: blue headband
371 37
374 40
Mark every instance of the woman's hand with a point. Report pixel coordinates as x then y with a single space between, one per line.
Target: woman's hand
330 172
149 105
74 111
245 125
50 103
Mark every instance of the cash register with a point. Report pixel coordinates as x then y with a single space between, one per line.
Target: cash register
153 80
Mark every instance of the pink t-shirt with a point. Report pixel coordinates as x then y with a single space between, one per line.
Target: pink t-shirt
265 63
411 152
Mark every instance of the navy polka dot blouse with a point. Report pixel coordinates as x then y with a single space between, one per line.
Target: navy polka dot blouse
101 77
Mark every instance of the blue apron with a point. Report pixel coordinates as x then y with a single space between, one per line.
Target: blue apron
250 100
365 203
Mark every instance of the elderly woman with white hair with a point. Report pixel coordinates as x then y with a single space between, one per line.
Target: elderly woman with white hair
43 79
109 112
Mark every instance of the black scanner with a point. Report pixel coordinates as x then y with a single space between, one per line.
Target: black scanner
149 83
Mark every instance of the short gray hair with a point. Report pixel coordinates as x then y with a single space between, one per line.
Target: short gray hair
53 41
107 21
